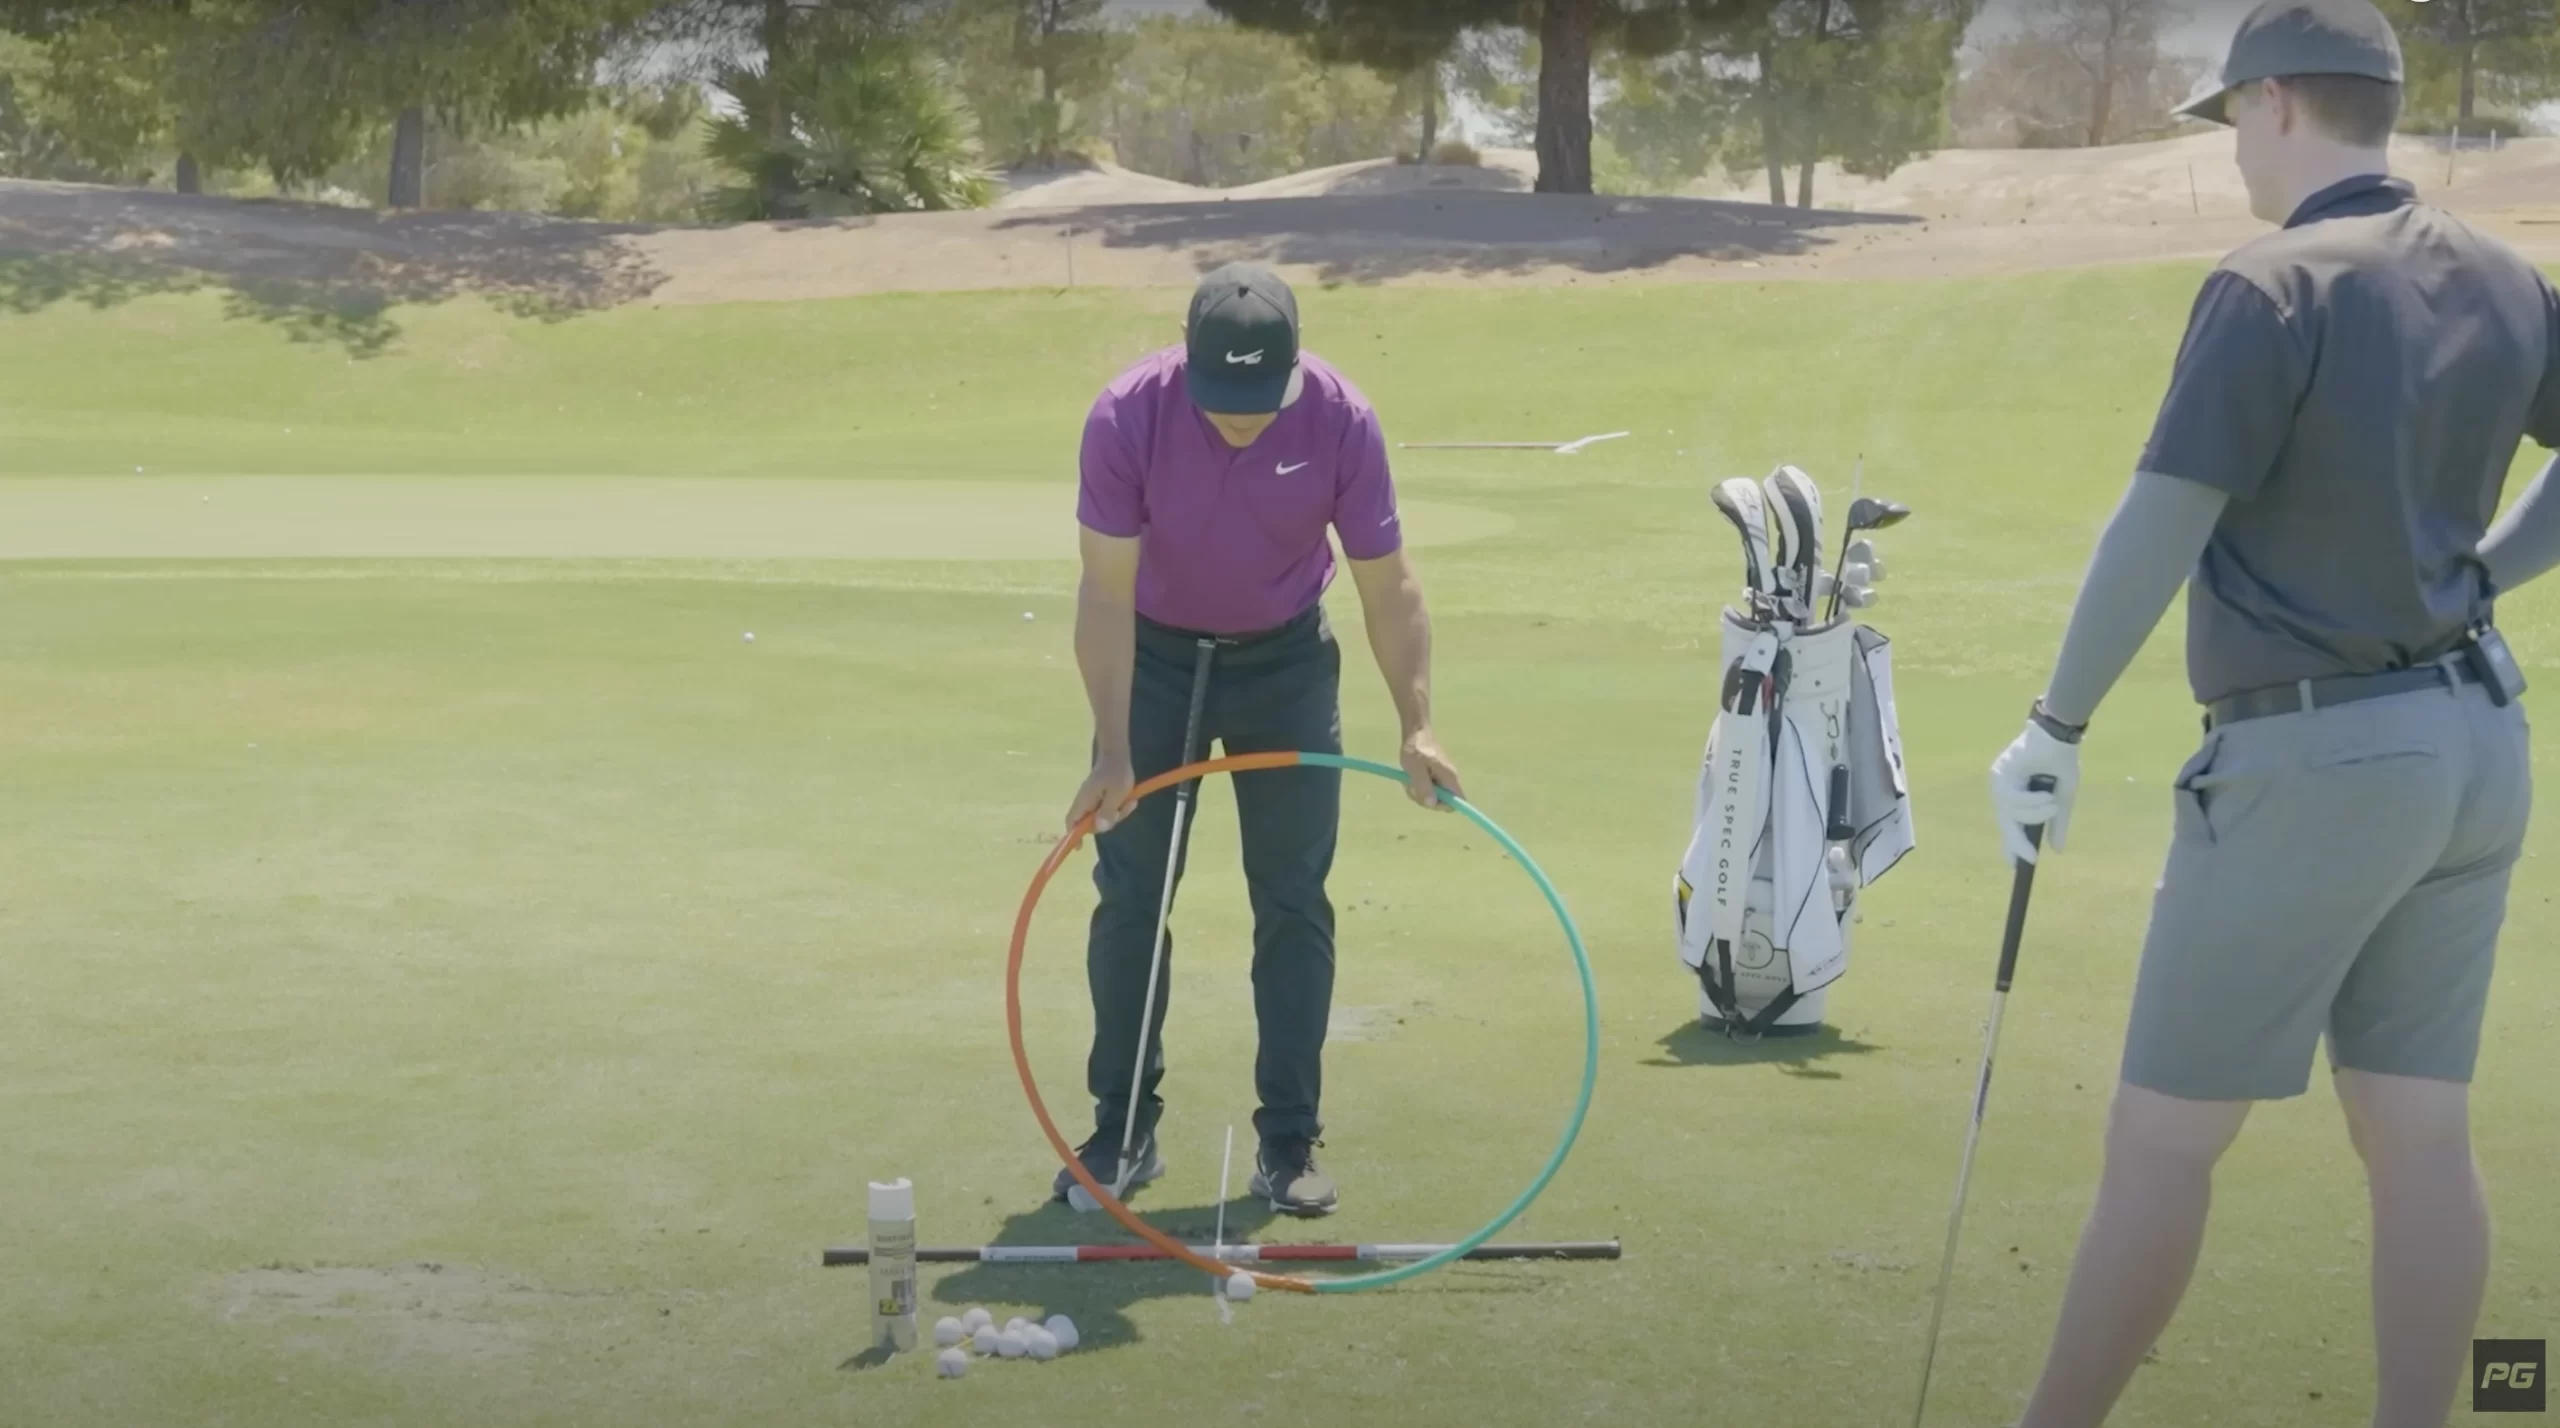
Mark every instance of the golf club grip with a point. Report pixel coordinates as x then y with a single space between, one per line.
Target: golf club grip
1199 711
2016 931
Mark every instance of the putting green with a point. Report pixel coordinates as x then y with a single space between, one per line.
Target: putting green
579 517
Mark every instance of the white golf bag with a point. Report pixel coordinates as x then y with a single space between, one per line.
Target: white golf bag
1801 802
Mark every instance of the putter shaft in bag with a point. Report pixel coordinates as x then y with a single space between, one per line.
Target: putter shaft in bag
2010 937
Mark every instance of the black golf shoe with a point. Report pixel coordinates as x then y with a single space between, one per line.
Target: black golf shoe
1101 1159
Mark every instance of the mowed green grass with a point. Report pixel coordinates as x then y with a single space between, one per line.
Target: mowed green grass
520 919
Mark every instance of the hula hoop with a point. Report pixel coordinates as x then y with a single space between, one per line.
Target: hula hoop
1240 763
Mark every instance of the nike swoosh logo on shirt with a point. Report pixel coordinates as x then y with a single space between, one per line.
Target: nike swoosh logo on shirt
1301 466
1249 359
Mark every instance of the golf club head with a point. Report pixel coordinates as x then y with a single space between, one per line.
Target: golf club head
1870 513
1863 552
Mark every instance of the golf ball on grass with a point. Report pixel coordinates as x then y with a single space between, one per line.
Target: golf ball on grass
986 1340
1040 1343
951 1363
1063 1329
976 1319
947 1332
1240 1286
1016 1324
1009 1345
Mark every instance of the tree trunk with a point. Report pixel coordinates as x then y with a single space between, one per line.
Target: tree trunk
2102 91
1812 136
2470 81
409 158
1564 96
190 178
1770 151
1430 110
1812 150
775 35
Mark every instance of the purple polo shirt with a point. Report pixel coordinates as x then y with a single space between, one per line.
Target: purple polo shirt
1233 541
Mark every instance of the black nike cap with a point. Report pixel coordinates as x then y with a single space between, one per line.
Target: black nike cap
1242 340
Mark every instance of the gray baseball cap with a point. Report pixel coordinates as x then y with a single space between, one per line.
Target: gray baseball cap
2284 38
1242 342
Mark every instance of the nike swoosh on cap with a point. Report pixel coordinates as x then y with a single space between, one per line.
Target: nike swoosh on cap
1253 358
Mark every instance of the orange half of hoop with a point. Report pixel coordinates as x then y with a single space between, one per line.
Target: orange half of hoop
1233 763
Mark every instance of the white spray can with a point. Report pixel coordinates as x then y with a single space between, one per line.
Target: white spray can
893 1266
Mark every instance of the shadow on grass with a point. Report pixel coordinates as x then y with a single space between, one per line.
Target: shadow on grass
1695 1044
870 1358
316 272
1098 1296
1359 238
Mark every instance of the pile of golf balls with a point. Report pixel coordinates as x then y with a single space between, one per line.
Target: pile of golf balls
977 1332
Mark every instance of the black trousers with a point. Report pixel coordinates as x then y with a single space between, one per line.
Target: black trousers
1280 690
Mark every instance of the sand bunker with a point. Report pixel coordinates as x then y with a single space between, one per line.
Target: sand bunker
625 518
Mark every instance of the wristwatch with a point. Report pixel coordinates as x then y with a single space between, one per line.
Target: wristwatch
2043 719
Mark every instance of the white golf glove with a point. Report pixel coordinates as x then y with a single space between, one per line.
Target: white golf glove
2019 807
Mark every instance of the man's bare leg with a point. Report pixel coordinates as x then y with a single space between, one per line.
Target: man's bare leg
2430 1239
2137 1252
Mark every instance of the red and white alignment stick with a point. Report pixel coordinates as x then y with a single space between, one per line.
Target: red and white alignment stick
1236 1254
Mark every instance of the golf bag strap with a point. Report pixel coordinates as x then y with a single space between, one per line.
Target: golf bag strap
1722 994
1727 1002
1778 1006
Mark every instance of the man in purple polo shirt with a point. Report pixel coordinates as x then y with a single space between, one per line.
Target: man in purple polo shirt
1211 473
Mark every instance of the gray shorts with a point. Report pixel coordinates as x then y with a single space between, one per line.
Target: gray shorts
2342 871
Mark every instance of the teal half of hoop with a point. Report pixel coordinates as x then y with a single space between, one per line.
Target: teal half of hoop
1590 1035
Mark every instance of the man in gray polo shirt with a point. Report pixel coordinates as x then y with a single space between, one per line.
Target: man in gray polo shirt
2323 475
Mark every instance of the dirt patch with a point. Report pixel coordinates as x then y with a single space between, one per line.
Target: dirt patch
2535 189
1087 184
1366 1024
2165 182
453 1312
338 275
632 518
1424 237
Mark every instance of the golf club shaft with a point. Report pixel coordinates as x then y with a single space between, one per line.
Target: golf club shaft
2011 935
1237 1254
1164 903
1955 1215
1840 562
1226 1164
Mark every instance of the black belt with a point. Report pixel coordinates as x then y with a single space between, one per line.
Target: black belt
1295 624
2306 695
